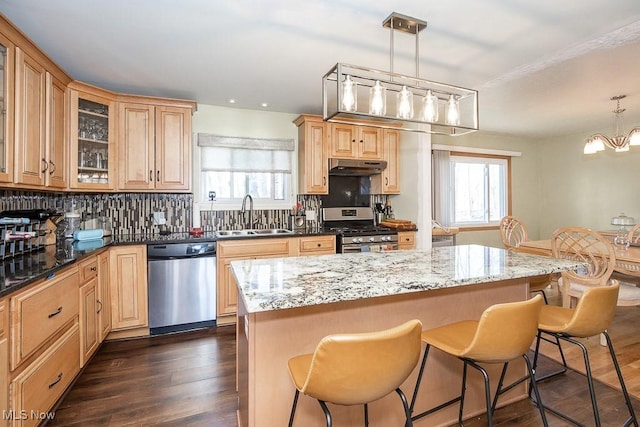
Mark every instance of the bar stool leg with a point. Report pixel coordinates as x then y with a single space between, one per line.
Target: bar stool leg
405 405
632 413
419 380
293 408
487 390
534 386
462 392
327 414
366 415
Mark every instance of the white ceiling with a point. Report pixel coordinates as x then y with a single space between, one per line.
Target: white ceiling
542 67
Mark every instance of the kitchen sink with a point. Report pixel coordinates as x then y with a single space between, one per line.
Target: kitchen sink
252 232
273 231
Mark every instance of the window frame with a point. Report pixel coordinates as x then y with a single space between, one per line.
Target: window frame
484 226
234 204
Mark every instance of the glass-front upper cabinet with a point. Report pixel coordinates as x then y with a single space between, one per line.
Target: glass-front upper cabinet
7 50
93 151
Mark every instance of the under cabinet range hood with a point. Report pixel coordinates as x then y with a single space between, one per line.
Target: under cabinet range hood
351 167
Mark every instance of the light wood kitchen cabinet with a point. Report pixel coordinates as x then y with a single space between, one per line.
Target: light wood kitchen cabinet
388 182
406 240
128 285
89 308
40 312
233 250
37 388
7 86
4 359
30 151
313 158
55 133
104 297
92 138
40 121
155 147
355 142
316 245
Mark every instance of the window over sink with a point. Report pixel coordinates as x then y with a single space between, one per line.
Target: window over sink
234 167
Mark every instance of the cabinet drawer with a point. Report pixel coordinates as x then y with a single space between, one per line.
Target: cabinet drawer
88 269
41 311
317 244
255 247
38 387
406 238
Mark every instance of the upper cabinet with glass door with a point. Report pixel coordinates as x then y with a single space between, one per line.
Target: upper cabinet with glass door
93 150
7 51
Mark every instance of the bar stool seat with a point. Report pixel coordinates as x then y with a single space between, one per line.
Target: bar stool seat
356 369
503 333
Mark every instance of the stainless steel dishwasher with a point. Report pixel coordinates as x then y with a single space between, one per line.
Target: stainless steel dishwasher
182 286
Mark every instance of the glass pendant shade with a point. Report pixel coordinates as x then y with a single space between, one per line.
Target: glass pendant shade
404 104
349 96
634 137
453 111
378 99
430 107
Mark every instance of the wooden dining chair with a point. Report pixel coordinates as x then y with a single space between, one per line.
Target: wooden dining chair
513 232
598 254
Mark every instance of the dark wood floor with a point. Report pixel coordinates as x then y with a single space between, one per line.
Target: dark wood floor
189 380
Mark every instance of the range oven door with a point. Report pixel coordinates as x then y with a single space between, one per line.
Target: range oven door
369 247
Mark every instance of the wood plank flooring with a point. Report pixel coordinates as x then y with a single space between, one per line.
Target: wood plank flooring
189 380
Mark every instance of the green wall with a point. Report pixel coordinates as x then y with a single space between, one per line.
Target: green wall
525 181
586 190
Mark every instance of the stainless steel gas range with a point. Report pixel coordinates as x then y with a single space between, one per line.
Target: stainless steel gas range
356 230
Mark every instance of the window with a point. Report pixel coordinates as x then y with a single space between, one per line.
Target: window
475 191
234 167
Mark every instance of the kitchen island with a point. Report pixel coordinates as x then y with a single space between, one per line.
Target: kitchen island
287 305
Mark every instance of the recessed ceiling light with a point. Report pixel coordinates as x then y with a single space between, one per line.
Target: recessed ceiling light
232 101
264 105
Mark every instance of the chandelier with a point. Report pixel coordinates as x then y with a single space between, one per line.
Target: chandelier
619 142
384 99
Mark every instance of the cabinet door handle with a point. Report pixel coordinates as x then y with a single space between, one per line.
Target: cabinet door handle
324 180
45 165
100 306
150 175
158 176
386 181
58 379
58 311
52 167
94 269
319 245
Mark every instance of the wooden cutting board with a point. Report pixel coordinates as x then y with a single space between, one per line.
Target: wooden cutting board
399 224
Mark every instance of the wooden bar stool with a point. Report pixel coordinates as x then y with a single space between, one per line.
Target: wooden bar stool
592 316
503 333
356 369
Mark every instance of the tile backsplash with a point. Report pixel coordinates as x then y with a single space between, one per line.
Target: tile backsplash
131 213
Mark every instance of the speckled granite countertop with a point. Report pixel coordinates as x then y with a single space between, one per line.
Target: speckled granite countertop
281 283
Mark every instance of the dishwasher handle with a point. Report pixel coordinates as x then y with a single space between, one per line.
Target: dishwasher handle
180 251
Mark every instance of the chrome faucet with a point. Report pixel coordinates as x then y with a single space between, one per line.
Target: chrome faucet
243 210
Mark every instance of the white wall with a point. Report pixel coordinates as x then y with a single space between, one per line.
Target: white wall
414 202
586 190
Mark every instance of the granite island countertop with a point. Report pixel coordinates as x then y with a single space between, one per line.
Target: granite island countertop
282 283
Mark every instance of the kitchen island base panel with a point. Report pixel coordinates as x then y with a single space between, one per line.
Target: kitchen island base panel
266 341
